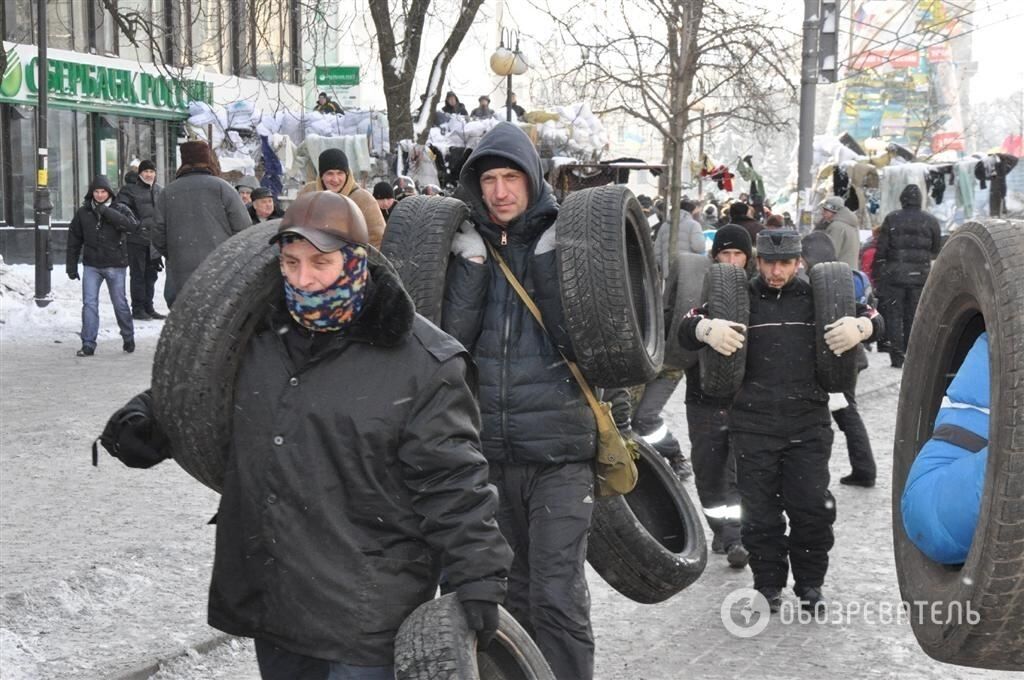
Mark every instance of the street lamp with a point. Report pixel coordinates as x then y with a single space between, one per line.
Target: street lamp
508 62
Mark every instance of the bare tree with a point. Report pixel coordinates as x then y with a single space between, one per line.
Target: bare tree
399 35
655 60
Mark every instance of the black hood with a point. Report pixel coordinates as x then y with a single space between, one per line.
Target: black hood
99 182
508 141
910 197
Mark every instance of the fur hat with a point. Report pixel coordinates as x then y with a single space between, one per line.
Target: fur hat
196 156
731 236
778 244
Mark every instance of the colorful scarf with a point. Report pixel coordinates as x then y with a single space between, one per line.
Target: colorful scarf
334 307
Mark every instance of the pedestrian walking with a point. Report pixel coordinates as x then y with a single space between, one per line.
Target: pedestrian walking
539 435
840 224
817 247
742 214
334 175
144 262
98 234
329 536
779 423
908 241
194 214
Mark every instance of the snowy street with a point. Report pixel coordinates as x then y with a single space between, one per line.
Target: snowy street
105 569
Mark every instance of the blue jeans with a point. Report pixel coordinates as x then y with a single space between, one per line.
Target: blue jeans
92 277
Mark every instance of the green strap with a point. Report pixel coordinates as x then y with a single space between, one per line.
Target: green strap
528 301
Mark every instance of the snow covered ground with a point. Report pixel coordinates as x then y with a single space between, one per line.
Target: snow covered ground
105 570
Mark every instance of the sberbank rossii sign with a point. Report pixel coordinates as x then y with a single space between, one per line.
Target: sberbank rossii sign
86 82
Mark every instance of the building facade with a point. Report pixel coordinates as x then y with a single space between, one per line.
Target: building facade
119 83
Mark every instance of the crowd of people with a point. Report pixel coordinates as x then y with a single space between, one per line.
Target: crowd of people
383 448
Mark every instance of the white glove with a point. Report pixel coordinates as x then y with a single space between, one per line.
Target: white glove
469 244
844 334
725 337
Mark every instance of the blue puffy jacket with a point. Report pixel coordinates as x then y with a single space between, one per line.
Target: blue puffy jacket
943 494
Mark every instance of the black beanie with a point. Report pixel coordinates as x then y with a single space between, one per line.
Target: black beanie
332 159
732 236
493 162
383 190
738 209
147 165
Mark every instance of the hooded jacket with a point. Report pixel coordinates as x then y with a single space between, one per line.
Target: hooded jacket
141 198
533 410
375 222
98 231
353 473
942 498
908 241
194 214
845 234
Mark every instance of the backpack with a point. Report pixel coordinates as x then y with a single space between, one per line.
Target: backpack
862 290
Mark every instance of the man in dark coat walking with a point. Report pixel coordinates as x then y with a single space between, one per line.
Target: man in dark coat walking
354 470
144 262
98 233
195 213
779 424
539 435
908 241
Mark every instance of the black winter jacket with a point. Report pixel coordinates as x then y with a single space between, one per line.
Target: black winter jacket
354 473
98 232
533 410
908 242
780 394
141 198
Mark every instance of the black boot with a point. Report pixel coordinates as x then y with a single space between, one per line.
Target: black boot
86 351
737 556
153 314
129 345
141 315
811 599
854 479
774 597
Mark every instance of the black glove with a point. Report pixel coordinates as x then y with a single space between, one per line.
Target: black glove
482 616
133 436
73 273
158 264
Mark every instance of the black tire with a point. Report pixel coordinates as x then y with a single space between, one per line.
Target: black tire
611 290
434 643
834 298
689 285
649 544
725 292
975 284
418 242
201 343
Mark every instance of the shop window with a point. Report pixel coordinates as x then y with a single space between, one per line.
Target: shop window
22 166
66 190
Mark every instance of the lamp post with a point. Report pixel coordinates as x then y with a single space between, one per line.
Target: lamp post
508 62
41 203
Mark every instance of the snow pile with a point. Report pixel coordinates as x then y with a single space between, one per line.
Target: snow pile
61 320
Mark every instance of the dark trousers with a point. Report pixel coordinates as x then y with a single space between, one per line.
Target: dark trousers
279 664
714 470
143 273
848 419
898 309
645 419
544 514
777 475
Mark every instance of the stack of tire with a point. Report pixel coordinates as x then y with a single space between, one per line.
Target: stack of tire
976 284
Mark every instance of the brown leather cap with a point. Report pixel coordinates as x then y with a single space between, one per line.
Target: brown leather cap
325 219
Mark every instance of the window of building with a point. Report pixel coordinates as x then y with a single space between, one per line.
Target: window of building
19 21
63 137
144 18
22 168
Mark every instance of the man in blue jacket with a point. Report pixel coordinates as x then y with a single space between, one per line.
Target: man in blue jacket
538 434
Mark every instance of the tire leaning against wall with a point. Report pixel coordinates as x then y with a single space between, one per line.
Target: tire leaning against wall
834 298
434 643
689 285
649 544
725 293
610 286
976 283
418 243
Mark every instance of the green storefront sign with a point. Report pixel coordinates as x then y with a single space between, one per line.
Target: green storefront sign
337 76
96 87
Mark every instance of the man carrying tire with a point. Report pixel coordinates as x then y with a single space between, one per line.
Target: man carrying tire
353 471
779 422
539 435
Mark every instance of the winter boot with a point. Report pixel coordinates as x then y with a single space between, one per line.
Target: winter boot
853 479
774 597
141 315
737 556
153 314
811 599
86 351
129 345
681 466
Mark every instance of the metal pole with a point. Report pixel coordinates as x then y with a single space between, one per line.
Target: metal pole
42 206
508 98
808 81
